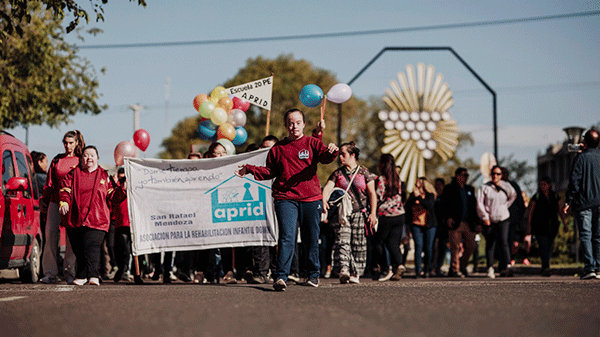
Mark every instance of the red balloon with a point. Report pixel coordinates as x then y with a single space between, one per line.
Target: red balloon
241 104
141 138
123 149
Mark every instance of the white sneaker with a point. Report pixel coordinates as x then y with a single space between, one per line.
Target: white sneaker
490 273
80 281
588 276
279 285
94 281
354 279
386 277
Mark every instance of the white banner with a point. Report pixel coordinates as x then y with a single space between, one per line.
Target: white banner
198 204
257 92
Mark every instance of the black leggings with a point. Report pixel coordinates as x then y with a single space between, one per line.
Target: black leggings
497 233
389 233
123 248
86 243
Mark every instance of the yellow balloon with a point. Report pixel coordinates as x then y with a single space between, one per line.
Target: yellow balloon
218 92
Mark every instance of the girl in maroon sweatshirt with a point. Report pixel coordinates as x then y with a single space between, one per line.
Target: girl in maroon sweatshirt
84 203
297 193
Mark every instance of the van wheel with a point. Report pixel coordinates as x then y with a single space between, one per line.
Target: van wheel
30 273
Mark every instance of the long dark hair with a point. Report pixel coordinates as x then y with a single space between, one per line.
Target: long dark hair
387 168
36 158
75 134
352 149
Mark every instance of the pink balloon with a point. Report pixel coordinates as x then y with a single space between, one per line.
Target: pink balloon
141 138
123 149
241 104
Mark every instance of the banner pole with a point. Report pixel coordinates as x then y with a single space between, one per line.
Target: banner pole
323 108
268 122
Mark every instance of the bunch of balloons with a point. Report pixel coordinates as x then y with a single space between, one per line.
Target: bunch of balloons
311 95
141 139
223 118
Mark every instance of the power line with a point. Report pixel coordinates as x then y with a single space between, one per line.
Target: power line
343 34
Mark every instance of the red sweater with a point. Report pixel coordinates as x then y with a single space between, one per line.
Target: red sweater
293 164
119 207
59 167
88 195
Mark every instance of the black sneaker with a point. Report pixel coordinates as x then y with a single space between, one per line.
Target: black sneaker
588 276
248 276
313 282
279 285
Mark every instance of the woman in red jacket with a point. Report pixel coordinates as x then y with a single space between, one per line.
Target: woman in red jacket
84 204
59 167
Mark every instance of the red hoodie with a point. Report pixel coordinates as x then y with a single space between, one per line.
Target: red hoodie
293 164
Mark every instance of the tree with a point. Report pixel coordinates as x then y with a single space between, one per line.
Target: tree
42 79
15 13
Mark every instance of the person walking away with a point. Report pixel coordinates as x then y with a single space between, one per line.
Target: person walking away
459 208
293 162
59 167
441 232
583 197
493 200
85 206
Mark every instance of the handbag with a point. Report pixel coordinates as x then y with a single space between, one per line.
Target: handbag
339 199
369 231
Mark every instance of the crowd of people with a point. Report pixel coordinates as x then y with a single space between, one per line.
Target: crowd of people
357 225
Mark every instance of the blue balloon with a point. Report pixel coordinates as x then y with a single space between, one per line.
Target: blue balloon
240 136
311 95
207 130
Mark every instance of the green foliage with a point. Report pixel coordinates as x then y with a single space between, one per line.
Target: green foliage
42 79
16 14
521 172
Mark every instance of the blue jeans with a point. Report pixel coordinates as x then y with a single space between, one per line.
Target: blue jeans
289 214
424 237
588 224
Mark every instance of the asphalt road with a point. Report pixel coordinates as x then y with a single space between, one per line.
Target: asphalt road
523 305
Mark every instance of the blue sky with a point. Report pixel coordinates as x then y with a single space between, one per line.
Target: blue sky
546 73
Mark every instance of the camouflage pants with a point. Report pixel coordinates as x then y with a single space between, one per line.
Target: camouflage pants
350 245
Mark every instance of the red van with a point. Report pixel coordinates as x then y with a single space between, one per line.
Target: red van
20 234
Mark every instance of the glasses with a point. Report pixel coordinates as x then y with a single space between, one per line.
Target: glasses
496 174
466 175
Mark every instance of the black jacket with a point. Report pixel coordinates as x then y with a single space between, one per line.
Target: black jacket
452 205
427 203
584 183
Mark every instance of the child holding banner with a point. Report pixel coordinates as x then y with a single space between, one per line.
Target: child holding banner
292 162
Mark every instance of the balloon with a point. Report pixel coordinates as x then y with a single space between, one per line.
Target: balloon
225 103
141 139
206 109
311 95
226 131
198 100
123 149
218 116
218 92
236 118
228 145
240 136
339 93
241 104
206 130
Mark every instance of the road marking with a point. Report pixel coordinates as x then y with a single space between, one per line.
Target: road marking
12 298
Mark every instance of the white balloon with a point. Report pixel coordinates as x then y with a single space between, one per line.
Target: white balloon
409 125
383 115
393 115
446 115
415 116
427 154
415 135
339 93
404 116
405 135
435 116
431 144
388 125
421 144
426 135
420 126
425 116
431 126
399 125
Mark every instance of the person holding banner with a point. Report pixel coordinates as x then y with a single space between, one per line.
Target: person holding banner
292 162
84 204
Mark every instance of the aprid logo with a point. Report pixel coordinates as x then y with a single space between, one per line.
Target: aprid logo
303 154
226 206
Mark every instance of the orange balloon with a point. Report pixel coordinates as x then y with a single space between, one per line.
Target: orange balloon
225 103
198 100
226 131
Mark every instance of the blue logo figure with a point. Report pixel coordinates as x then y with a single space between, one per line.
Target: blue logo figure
229 209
